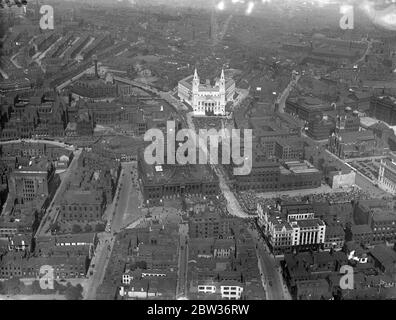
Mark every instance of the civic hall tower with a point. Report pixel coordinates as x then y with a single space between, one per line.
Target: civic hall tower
206 99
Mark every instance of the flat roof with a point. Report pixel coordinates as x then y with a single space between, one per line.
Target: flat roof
177 174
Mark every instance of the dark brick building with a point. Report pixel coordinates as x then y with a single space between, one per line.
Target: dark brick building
384 109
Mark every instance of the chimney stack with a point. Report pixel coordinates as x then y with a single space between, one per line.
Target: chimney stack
95 59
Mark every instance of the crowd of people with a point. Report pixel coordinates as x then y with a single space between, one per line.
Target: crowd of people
341 197
249 200
208 123
212 202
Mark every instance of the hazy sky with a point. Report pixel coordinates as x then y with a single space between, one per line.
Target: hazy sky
384 16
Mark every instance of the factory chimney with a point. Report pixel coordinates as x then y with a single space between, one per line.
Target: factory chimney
95 59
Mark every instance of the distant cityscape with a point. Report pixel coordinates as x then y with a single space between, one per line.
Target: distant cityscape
85 216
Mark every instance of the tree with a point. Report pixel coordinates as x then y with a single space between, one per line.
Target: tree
36 289
74 293
141 265
100 227
54 227
14 286
76 228
321 163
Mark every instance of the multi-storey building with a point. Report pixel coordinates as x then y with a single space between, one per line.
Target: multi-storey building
16 266
387 176
349 122
51 116
224 268
280 235
362 234
334 237
82 206
383 224
84 125
384 108
264 177
19 243
320 128
108 113
209 225
170 181
227 290
41 116
308 233
34 150
306 108
157 249
7 231
94 88
272 176
79 244
206 99
31 182
295 175
303 267
294 231
157 256
379 217
353 144
290 150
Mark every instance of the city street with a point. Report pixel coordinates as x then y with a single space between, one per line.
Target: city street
51 142
367 52
233 205
285 94
242 199
270 270
120 213
98 265
181 288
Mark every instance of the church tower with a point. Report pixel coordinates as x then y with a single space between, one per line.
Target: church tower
195 89
222 79
195 80
222 91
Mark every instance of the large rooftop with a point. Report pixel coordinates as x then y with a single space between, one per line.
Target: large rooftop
176 174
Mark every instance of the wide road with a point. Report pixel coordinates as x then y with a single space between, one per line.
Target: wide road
233 205
137 84
51 142
119 215
368 50
98 265
178 105
285 94
270 270
71 80
182 272
4 74
129 200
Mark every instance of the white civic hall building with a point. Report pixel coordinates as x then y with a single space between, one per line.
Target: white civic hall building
206 99
387 176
